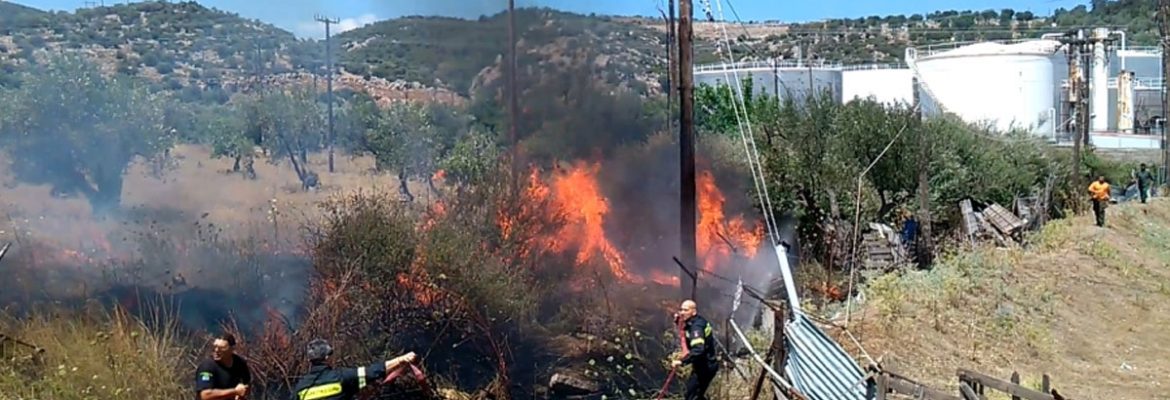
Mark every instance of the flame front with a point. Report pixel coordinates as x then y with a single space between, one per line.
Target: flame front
578 195
718 237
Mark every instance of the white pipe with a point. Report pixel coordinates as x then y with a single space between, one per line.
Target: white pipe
1119 55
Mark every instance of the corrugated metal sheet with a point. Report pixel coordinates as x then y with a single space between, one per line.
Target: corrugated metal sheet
818 366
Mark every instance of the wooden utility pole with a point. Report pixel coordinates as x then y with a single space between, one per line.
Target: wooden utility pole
513 103
672 67
1077 48
686 142
329 80
1164 33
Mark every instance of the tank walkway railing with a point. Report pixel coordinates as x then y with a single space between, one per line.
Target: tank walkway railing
932 49
765 64
790 64
1138 83
1148 50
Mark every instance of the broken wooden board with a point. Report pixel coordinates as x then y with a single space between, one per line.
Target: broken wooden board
879 252
970 223
1003 220
989 229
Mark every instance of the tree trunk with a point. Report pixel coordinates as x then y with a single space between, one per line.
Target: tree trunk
405 191
431 185
925 242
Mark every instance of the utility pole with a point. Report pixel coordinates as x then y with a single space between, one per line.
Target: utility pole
329 79
513 102
1164 34
671 68
686 142
1077 48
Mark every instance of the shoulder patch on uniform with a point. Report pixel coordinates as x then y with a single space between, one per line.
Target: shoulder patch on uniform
205 376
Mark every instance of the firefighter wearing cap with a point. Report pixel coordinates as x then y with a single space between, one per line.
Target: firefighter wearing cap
700 351
324 382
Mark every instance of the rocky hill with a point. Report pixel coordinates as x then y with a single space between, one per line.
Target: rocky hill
206 54
200 52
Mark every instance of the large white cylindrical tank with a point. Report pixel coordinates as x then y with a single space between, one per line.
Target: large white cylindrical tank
1007 86
886 85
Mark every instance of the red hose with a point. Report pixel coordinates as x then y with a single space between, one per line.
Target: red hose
662 392
682 341
415 370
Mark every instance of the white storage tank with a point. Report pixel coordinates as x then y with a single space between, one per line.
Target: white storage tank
1007 86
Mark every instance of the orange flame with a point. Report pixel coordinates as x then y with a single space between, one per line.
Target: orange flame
579 196
718 237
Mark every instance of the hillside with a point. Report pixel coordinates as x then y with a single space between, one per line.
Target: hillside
207 54
201 53
176 45
1086 305
451 52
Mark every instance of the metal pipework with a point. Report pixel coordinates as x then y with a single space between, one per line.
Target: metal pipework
1099 81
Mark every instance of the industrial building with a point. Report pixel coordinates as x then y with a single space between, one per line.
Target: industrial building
1006 85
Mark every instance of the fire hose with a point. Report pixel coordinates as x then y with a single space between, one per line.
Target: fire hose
419 376
682 341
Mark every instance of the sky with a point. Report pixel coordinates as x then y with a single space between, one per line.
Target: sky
297 15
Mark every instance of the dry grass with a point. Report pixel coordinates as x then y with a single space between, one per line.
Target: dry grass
1086 305
195 184
93 354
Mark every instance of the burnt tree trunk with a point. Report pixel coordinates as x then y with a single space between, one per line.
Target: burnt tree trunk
403 189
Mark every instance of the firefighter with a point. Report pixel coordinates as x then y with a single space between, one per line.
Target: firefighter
700 352
324 382
1099 190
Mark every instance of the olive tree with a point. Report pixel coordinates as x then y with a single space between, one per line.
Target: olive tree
76 129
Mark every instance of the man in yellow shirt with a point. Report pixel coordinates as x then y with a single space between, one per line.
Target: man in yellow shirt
1099 190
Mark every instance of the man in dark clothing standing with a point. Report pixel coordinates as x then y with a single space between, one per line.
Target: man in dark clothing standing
1145 180
225 376
323 382
700 352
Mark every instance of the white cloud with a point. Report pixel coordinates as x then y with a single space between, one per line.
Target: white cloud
316 30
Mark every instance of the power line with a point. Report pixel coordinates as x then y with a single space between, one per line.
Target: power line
329 78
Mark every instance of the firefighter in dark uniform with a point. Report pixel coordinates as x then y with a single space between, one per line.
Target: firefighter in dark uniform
700 352
323 382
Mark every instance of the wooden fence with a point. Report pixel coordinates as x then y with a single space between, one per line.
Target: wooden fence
972 386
